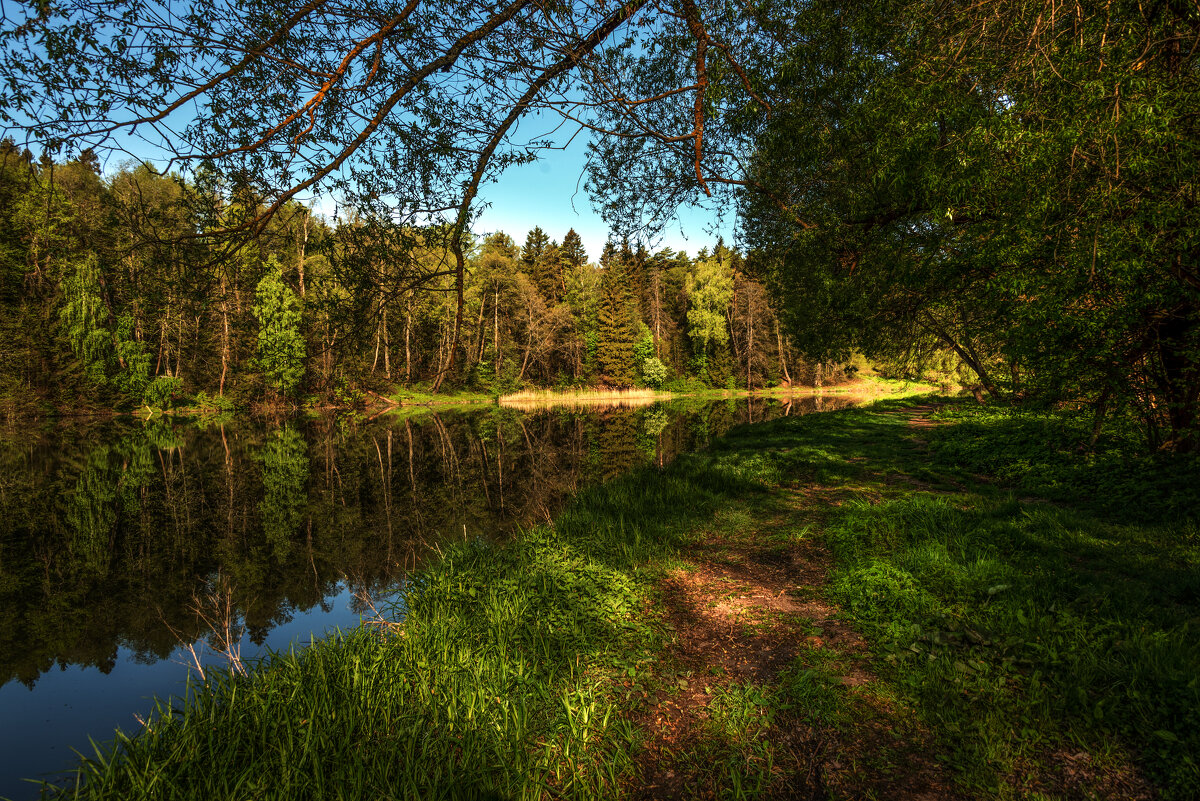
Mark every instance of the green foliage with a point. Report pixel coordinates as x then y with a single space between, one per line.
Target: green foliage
84 316
616 327
213 403
943 206
709 289
654 372
339 308
643 346
164 392
281 348
133 353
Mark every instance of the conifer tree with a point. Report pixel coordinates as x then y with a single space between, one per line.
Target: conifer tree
618 324
551 277
536 242
571 250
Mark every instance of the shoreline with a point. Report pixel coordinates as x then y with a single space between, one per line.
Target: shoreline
869 388
628 640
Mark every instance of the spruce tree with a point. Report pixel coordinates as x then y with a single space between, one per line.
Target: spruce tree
538 261
550 277
571 250
618 325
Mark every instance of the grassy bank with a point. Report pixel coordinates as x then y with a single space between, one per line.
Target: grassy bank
420 396
1020 611
497 681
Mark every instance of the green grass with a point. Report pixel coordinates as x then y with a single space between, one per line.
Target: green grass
499 680
1053 608
1021 598
419 395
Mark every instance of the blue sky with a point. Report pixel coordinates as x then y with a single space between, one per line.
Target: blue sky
550 193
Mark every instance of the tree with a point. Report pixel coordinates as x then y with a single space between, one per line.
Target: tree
617 326
281 350
572 251
709 290
1009 180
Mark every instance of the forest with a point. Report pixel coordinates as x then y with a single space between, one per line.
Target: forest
1005 191
109 302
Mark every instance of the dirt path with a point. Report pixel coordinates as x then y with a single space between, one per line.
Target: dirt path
773 691
767 690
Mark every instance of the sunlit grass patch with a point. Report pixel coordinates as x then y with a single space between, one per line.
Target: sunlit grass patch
735 751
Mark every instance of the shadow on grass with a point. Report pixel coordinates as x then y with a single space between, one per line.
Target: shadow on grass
1020 630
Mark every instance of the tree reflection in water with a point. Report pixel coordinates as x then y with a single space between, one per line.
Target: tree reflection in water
112 531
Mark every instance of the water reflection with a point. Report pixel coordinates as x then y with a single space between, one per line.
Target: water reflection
122 542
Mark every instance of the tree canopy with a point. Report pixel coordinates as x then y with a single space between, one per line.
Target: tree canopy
1012 183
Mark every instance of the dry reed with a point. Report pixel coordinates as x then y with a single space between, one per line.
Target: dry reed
527 398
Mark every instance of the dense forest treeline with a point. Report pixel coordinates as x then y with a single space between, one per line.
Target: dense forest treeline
1008 186
112 296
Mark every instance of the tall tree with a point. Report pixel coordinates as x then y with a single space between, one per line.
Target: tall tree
572 250
617 326
281 350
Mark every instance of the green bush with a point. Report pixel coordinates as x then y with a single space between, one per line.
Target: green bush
654 372
163 392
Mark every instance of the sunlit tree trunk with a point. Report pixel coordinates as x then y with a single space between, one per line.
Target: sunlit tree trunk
408 342
387 348
303 245
782 358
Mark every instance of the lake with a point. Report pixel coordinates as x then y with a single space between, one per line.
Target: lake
133 554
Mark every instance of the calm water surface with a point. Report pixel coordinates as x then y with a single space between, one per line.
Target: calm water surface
128 550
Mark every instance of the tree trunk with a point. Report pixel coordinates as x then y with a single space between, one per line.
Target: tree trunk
966 353
303 245
224 343
1178 382
375 361
1098 420
749 337
477 352
408 342
657 314
459 271
387 348
782 359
